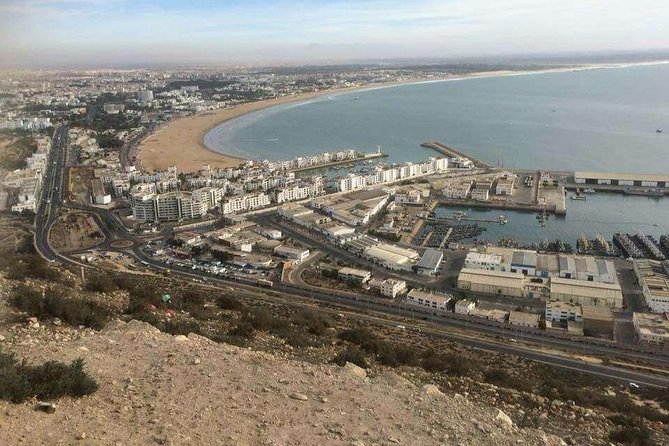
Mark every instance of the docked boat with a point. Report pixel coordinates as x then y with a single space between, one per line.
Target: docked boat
644 192
578 197
588 191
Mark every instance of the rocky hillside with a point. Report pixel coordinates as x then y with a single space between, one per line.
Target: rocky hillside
157 388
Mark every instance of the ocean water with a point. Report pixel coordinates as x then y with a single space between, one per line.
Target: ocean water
601 119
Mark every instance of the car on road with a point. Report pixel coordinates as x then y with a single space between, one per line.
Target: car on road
634 385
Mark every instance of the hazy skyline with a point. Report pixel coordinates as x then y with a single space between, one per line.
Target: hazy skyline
117 32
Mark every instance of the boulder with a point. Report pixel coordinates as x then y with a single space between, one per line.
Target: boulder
431 390
503 420
354 370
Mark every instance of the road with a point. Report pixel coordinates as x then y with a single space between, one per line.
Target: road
365 309
439 325
51 196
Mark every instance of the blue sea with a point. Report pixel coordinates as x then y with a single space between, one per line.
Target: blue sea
599 119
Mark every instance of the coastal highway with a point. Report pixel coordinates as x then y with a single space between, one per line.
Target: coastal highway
367 310
51 196
468 333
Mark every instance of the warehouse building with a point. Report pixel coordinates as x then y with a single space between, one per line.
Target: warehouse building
430 261
392 257
622 179
492 282
586 293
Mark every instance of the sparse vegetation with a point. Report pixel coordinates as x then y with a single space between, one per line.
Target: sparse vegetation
630 430
20 380
52 303
353 355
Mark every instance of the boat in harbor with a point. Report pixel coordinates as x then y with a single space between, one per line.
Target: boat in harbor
644 192
589 191
658 131
502 220
459 215
578 197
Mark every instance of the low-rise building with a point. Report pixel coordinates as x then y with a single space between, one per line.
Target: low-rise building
98 194
481 191
297 254
563 311
485 261
354 275
653 277
521 319
491 315
652 328
392 287
505 185
434 301
464 306
597 321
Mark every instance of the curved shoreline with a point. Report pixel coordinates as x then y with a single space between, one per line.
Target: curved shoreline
180 142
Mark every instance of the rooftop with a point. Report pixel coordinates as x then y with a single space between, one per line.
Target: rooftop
431 259
622 176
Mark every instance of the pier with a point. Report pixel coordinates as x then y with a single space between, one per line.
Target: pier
453 153
360 158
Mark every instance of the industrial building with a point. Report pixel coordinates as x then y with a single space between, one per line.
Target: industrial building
586 293
433 301
652 328
492 282
622 179
484 261
392 257
653 277
430 261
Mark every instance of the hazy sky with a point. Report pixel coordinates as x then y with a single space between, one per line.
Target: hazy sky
104 32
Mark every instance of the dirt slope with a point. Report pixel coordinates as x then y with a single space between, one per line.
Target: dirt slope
159 389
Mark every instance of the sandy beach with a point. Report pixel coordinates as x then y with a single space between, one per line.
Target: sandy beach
181 142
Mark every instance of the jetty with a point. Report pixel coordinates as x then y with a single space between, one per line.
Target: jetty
453 153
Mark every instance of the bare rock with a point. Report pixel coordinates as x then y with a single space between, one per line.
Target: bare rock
355 370
299 396
503 420
431 390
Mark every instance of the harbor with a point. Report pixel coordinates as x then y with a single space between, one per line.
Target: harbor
359 158
453 153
